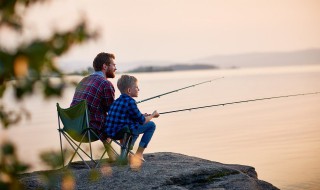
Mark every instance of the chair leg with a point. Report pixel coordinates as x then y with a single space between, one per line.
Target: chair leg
106 146
125 148
75 150
62 157
121 145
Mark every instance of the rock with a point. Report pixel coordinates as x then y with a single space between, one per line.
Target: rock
160 171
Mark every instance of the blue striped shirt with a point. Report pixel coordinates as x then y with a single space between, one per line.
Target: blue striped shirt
123 112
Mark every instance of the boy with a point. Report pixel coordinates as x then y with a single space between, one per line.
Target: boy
124 112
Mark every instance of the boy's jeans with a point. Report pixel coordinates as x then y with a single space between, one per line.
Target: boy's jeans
147 130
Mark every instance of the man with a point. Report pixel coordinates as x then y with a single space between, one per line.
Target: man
98 91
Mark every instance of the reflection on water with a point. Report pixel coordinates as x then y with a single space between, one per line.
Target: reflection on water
279 137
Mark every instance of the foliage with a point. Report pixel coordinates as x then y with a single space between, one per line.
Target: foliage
50 179
31 64
10 167
53 158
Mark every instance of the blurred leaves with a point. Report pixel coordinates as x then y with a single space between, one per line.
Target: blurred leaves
53 177
65 176
10 167
68 182
53 159
10 14
32 64
10 117
94 175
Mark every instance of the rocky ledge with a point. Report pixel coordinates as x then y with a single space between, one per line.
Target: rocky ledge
160 171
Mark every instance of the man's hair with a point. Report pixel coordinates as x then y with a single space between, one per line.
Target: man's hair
125 82
102 58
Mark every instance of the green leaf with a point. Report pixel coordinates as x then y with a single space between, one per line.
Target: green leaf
7 149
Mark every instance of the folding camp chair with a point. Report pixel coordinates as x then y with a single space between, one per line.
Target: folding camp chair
76 130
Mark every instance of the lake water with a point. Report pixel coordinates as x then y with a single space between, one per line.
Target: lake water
279 137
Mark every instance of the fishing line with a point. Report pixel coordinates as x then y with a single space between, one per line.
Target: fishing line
237 102
158 96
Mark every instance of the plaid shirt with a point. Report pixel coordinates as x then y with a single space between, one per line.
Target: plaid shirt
99 94
123 112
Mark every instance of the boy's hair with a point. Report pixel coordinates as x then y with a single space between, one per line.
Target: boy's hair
102 58
125 82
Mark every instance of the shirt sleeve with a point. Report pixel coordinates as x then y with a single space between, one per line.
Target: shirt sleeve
108 96
134 113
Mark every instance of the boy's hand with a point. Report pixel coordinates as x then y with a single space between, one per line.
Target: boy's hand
155 114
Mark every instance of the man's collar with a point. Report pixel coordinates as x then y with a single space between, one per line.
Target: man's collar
99 73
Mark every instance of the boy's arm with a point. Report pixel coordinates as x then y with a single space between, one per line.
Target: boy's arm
155 114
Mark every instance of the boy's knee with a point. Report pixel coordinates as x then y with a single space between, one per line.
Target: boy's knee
152 125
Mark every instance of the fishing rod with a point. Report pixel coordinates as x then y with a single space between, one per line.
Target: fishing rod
237 102
158 96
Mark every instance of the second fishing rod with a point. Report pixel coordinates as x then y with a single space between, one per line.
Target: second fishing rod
238 102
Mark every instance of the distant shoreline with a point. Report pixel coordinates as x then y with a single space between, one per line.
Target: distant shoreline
177 67
232 61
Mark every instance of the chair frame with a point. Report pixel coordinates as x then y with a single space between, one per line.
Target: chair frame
125 145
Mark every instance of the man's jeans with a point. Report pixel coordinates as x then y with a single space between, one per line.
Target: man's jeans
147 130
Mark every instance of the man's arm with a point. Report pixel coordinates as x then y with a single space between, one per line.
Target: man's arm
108 96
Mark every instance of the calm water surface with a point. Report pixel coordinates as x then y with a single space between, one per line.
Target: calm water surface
279 137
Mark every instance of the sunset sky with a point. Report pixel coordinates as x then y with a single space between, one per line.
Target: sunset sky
180 30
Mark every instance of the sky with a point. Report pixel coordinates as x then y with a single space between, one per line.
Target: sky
140 31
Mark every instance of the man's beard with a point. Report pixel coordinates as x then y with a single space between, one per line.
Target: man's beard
110 74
